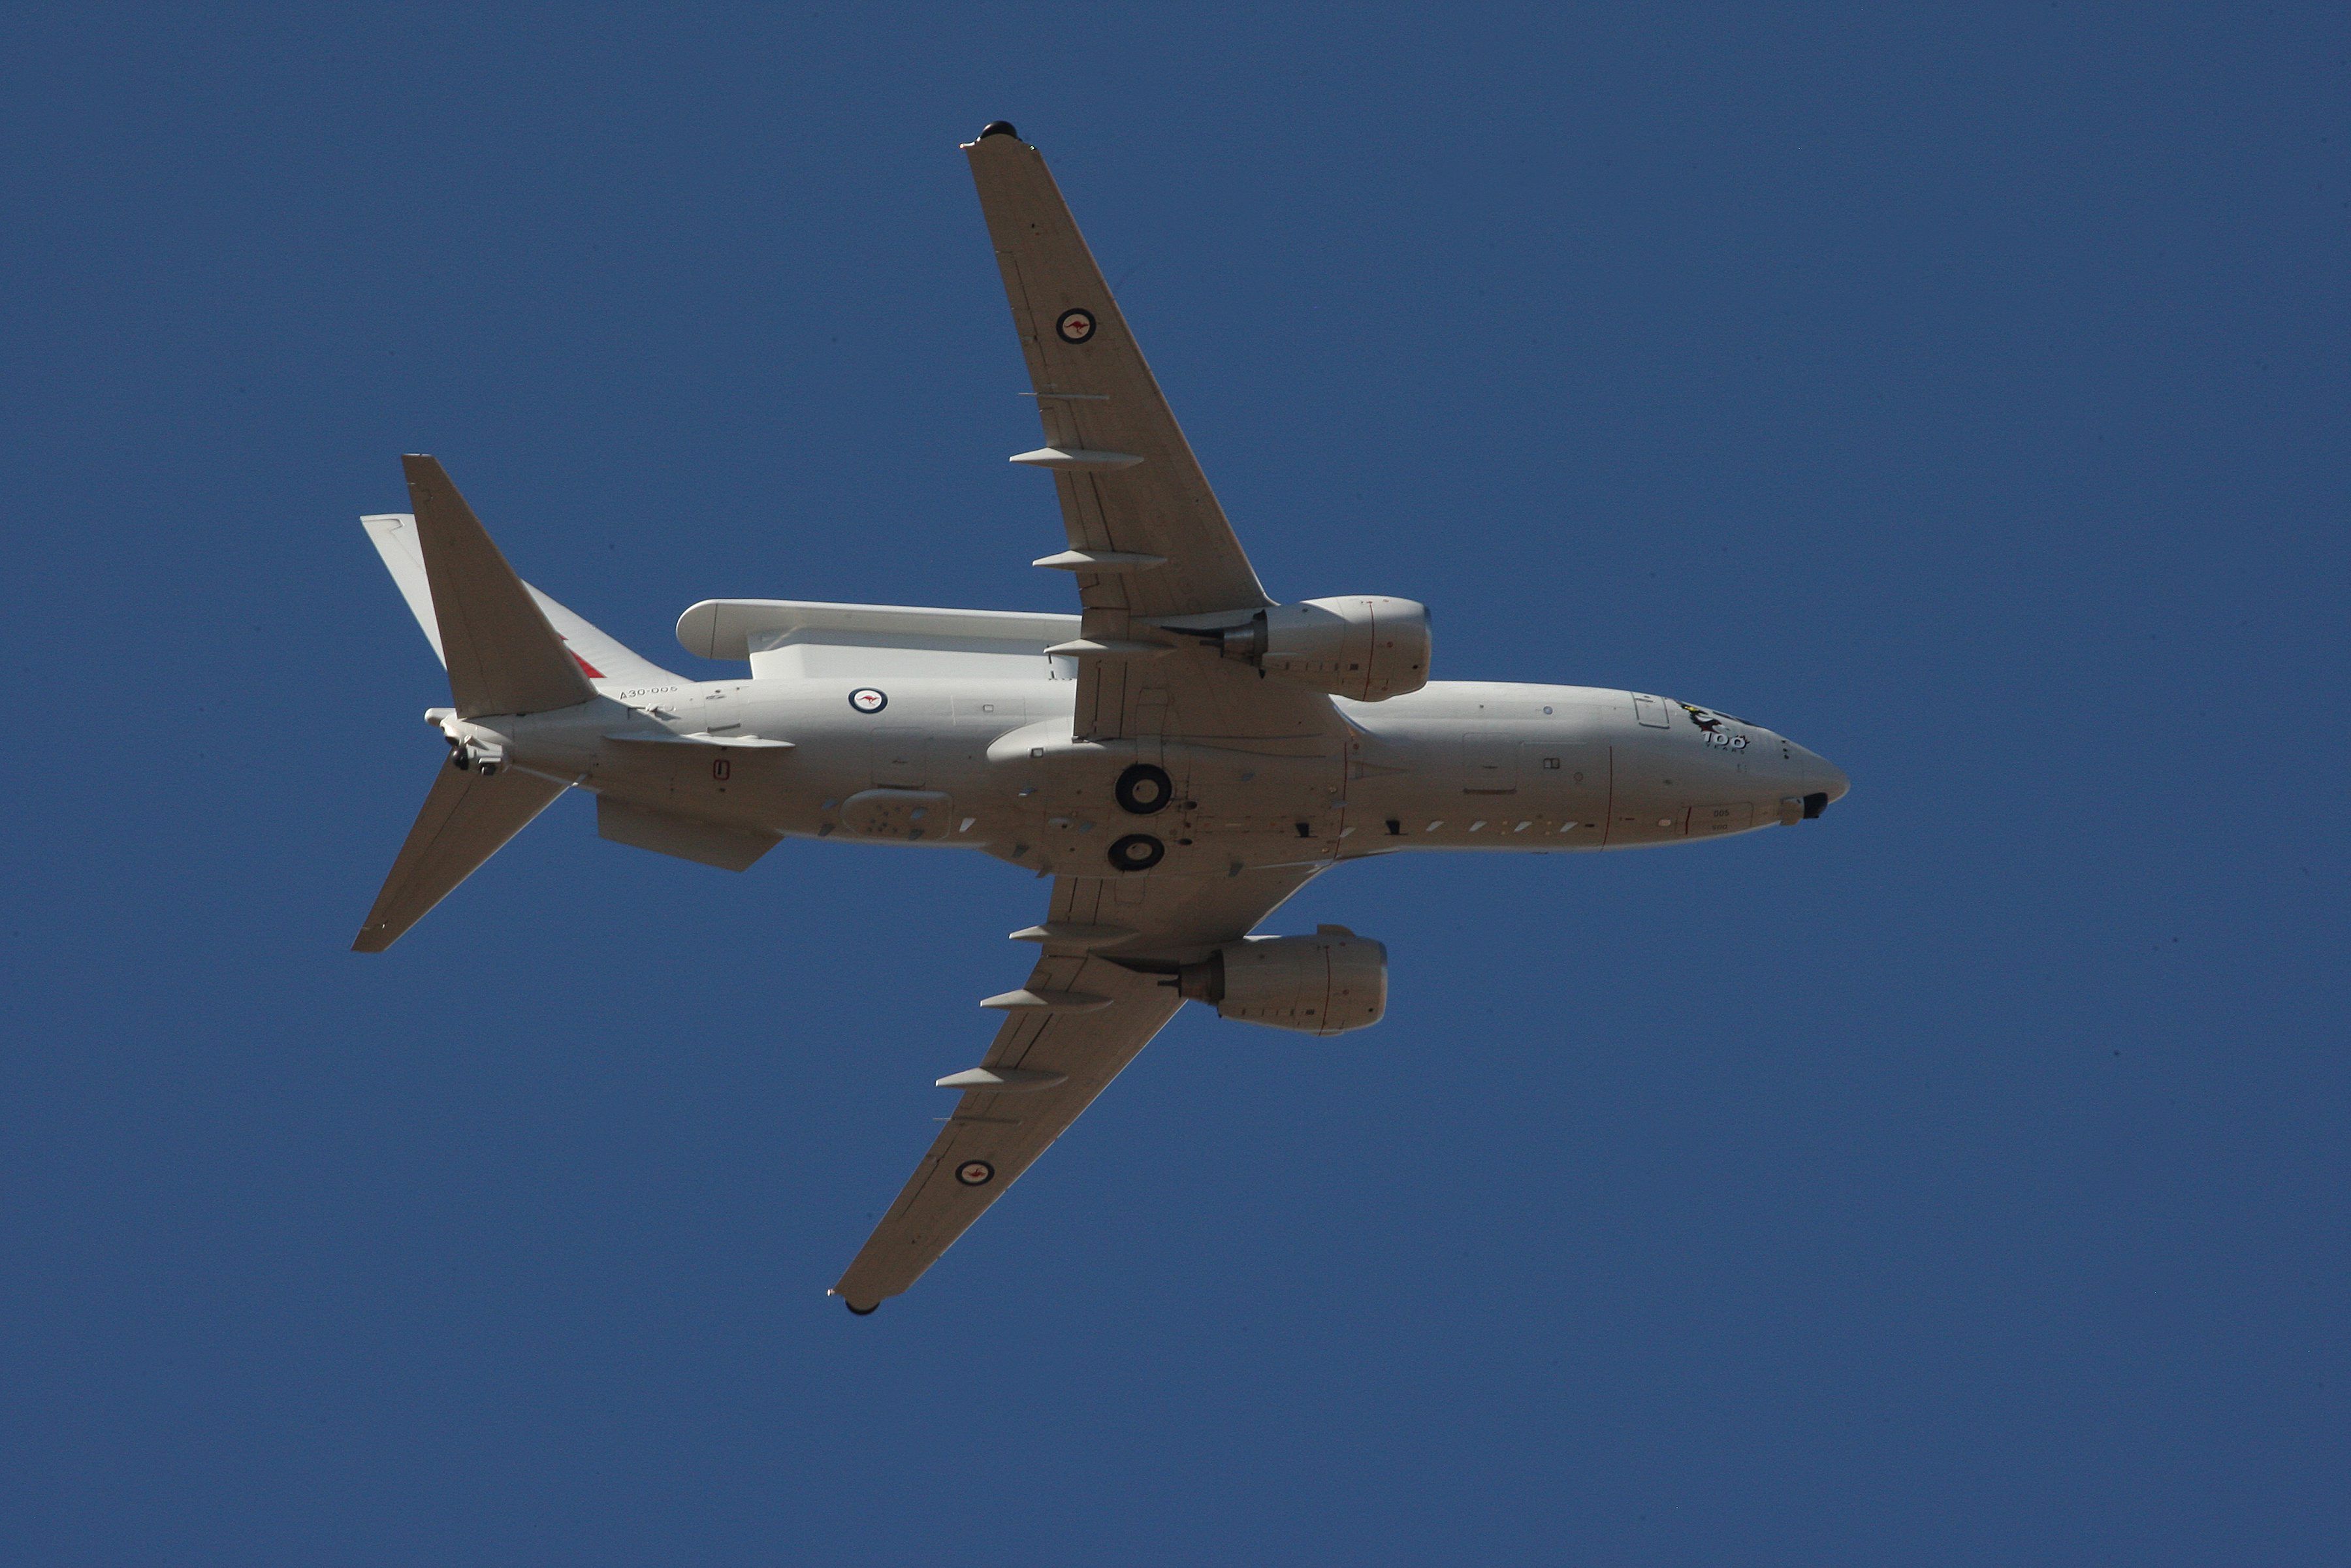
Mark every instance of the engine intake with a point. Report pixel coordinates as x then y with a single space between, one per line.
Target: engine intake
1363 646
1328 983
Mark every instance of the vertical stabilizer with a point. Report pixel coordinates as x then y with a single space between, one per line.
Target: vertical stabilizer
502 655
608 660
493 633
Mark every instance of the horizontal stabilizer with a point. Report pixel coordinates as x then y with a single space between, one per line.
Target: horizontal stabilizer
502 655
466 819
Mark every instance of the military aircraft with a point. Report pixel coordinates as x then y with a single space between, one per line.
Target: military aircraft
1179 757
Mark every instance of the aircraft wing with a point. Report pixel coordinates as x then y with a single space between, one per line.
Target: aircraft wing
1079 1020
1147 539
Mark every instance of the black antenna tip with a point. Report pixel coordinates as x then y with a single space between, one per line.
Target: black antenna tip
998 127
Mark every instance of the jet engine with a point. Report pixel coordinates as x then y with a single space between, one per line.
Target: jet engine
1328 983
1362 646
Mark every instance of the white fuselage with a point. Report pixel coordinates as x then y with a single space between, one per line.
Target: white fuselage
986 761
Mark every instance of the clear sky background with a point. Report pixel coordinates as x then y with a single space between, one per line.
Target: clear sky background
1958 1179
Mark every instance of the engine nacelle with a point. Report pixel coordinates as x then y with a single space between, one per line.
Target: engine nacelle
1362 646
1328 983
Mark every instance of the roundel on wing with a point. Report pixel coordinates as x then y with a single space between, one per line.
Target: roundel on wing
865 699
1075 326
975 1172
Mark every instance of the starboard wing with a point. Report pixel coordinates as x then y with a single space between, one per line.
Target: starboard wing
1091 1016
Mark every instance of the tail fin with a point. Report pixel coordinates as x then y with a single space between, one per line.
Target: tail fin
502 656
607 661
466 819
447 570
500 638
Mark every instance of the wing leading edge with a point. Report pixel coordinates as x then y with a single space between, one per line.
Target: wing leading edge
1092 1016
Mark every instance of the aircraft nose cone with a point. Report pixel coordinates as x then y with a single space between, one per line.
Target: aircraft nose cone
1828 779
1819 781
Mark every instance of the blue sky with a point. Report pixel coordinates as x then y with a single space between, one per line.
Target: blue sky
1959 1179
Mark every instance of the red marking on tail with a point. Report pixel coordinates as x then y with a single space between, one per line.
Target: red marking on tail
593 672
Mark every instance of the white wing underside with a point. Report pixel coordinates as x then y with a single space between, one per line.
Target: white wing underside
1174 919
